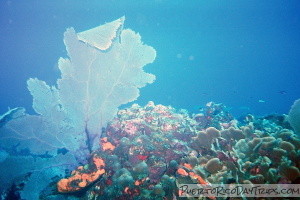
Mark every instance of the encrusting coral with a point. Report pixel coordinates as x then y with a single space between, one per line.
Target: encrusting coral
82 176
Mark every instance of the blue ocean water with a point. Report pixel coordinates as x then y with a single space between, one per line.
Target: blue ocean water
244 54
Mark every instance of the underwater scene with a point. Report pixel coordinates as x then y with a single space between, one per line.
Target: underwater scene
149 99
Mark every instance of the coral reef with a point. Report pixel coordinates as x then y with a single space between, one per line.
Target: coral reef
149 150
